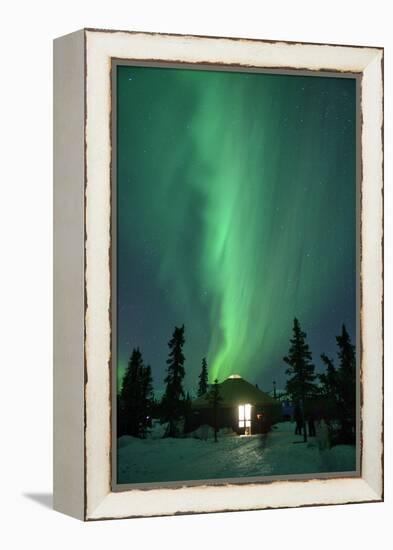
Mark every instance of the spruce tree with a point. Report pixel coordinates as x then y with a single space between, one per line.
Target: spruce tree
329 387
136 396
130 394
146 398
347 386
215 399
187 412
173 399
203 385
300 385
329 379
339 388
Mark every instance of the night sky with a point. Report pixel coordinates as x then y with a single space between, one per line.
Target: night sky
236 212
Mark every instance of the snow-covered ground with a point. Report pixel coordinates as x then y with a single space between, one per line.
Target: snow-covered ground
278 453
286 454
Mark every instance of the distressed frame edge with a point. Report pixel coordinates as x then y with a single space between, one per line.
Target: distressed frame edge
372 269
373 486
68 274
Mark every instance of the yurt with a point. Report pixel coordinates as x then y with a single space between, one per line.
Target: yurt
242 406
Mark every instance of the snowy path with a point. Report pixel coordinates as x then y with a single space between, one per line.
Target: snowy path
142 461
152 460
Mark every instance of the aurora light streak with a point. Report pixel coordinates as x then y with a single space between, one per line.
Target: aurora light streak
236 212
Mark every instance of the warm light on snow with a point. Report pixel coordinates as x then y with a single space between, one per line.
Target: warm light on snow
169 459
234 376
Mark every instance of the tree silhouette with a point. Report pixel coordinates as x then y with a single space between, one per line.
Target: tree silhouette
329 388
339 387
301 370
173 399
203 379
136 396
347 385
329 379
215 399
147 399
187 412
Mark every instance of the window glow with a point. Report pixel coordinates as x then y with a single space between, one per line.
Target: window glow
245 416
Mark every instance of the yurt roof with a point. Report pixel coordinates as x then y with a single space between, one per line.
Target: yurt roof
236 391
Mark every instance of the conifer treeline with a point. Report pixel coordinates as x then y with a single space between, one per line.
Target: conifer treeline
173 401
136 403
334 397
331 395
203 379
136 399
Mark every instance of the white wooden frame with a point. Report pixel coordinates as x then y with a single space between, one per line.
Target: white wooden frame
82 333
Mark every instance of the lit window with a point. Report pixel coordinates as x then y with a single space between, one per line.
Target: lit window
245 416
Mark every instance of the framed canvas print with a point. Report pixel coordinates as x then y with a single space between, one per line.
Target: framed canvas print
218 274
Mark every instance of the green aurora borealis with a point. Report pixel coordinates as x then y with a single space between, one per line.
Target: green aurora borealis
236 212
